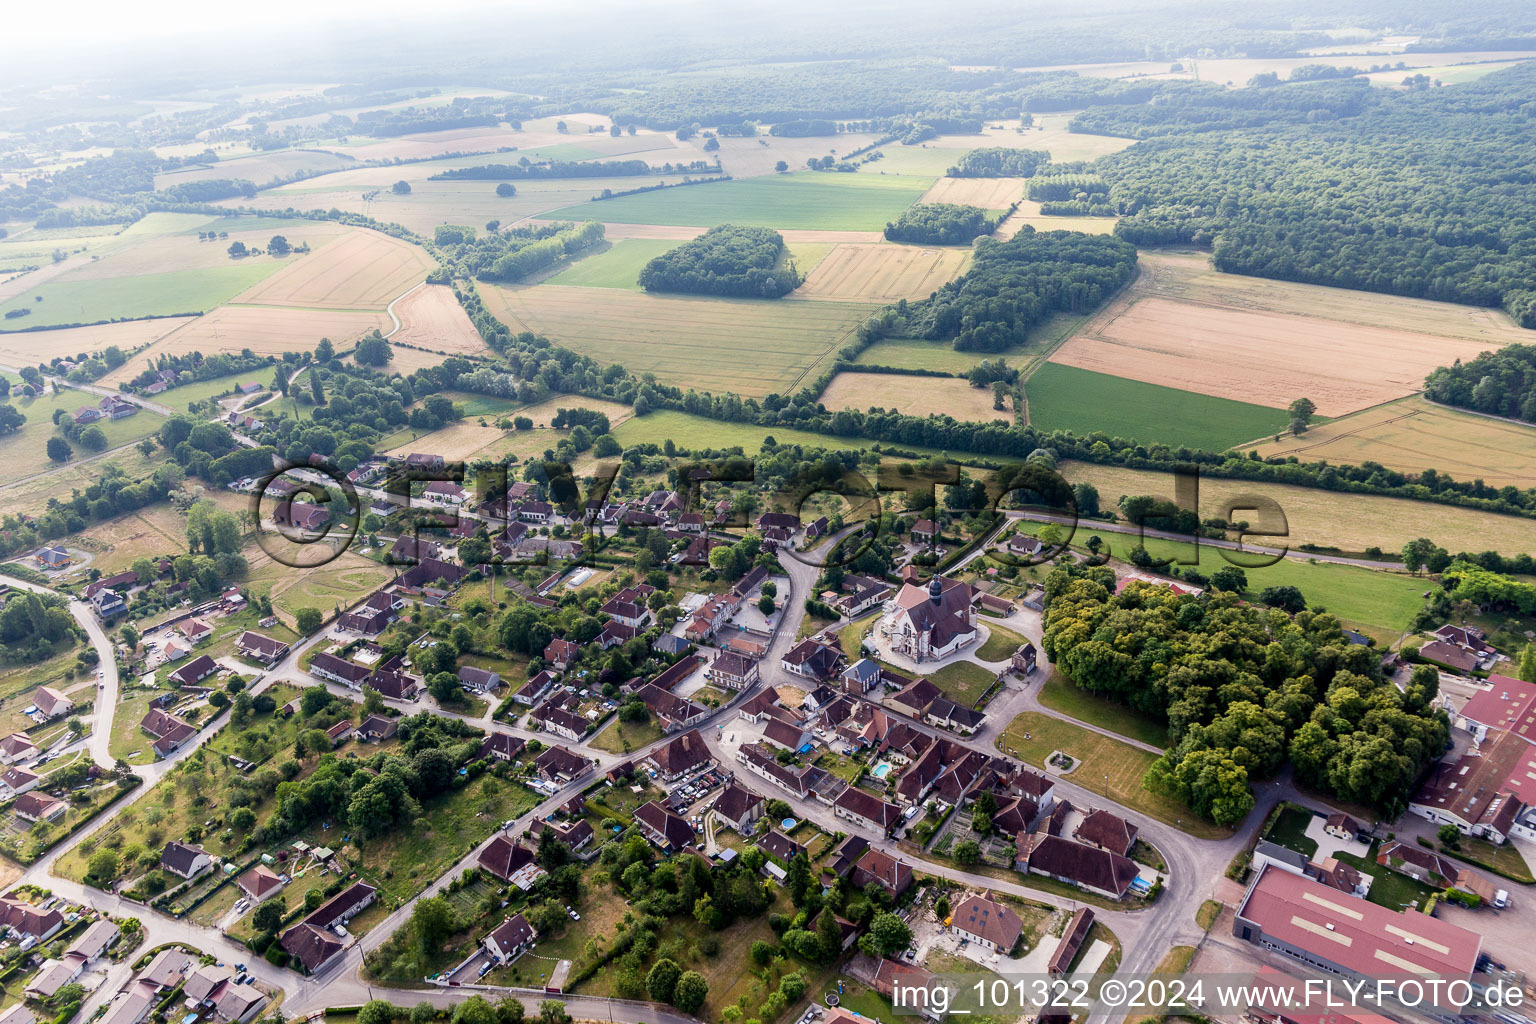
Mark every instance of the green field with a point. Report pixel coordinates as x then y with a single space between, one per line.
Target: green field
23 453
1060 695
618 266
126 298
1067 398
696 432
179 398
831 202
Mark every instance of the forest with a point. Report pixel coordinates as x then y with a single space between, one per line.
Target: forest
940 224
514 253
999 162
1423 193
1244 690
725 260
1014 285
1501 383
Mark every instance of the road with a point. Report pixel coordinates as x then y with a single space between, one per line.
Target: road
1145 935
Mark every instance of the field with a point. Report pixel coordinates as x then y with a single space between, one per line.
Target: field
804 200
617 266
922 354
747 346
1413 434
882 272
1260 357
914 396
150 532
22 452
1108 766
987 193
261 168
33 347
467 438
265 330
172 292
745 158
340 583
1029 213
1350 522
30 495
934 157
1060 695
962 681
1069 398
1237 71
361 270
182 250
431 318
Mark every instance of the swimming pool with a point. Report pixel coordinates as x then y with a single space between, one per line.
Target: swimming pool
881 770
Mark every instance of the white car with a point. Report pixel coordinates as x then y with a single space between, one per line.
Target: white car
574 916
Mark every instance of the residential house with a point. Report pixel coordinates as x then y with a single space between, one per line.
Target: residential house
779 848
739 807
510 939
662 828
261 882
502 746
194 671
843 858
17 748
117 408
734 671
52 976
15 781
925 531
682 756
94 942
1106 831
559 765
670 711
185 860
259 647
1342 826
35 806
168 731
861 677
393 684
376 729
865 809
410 550
301 516
813 660
574 834
338 670
108 603
1023 660
1458 659
787 732
373 616
479 680
1099 871
28 921
559 653
987 922
535 688
511 862
892 875
313 942
445 493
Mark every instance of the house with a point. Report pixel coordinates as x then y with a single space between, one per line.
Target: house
196 631
259 647
535 511
1439 652
52 976
313 942
843 858
535 688
502 746
175 650
1100 871
684 754
575 834
1022 545
87 414
16 781
560 765
892 875
338 670
260 882
1302 918
53 557
340 732
778 520
558 715
813 660
1480 791
29 921
865 809
511 862
662 828
194 671
428 573
120 581
921 993
373 616
185 860
779 848
559 653
393 684
418 460
410 550
1023 660
792 736
916 698
168 731
734 671
1106 832
739 807
301 516
35 806
1470 639
117 408
934 621
671 711
94 942
478 680
614 633
17 748
510 939
375 729
1342 826
925 531
860 677
444 492
987 922
108 603
166 970
1415 862
1071 941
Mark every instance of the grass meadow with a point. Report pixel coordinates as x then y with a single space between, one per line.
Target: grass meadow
1067 398
23 452
165 294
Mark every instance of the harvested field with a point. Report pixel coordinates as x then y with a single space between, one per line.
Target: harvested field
1239 70
184 251
1029 213
915 396
1413 434
342 582
431 318
934 157
467 438
747 346
33 347
261 168
1259 356
745 158
987 193
361 270
1350 522
148 533
882 273
683 232
21 281
66 301
265 330
30 495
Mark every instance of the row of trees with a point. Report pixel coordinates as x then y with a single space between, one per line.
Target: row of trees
526 169
1244 690
725 260
1000 162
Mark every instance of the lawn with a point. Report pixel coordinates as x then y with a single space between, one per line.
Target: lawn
1108 766
806 199
1206 916
127 298
18 682
1289 831
1059 694
179 398
23 452
1367 597
128 741
617 266
1504 860
1067 398
1000 645
622 737
962 681
1389 888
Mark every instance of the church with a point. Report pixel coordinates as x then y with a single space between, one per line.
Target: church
932 621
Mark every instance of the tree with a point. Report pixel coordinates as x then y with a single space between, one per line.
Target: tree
830 934
401 188
103 865
661 982
1230 578
278 246
691 992
94 438
553 1011
506 190
325 351
373 350
887 935
781 166
316 388
308 620
237 249
798 879
1423 553
376 1011
1286 598
1301 412
268 916
1527 669
765 604
1449 835
58 449
968 852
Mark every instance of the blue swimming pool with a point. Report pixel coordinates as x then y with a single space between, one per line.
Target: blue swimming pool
881 770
